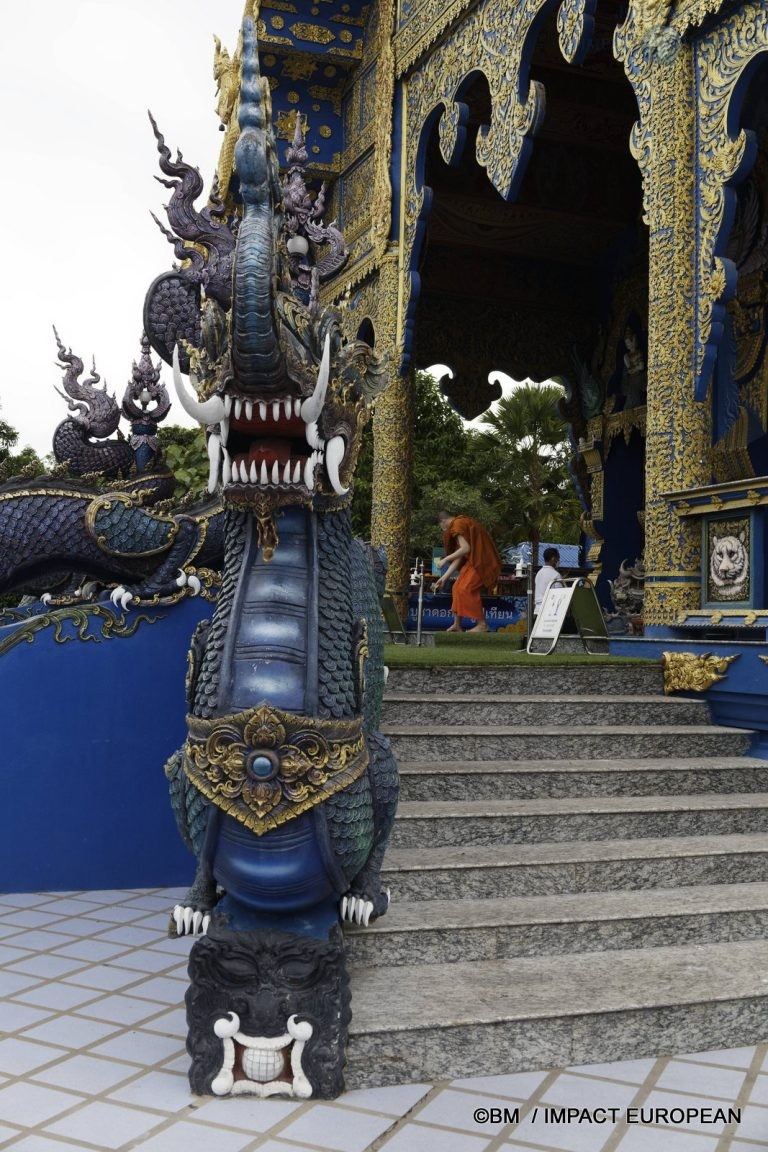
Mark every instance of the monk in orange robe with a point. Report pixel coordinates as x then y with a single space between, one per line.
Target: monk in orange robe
470 549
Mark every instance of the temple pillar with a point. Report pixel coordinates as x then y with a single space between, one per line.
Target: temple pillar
678 442
392 460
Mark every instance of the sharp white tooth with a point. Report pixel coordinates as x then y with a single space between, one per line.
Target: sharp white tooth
262 410
227 405
214 458
209 412
276 410
287 408
311 408
287 472
343 907
309 473
275 473
297 407
254 473
359 910
334 454
187 915
312 435
226 470
248 409
197 920
264 476
297 472
238 408
243 472
224 425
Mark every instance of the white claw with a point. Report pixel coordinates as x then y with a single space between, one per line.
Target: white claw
359 909
46 598
309 473
126 599
248 409
254 473
197 920
194 585
209 412
263 476
275 473
351 902
181 579
206 922
388 895
238 408
187 920
297 472
334 454
287 472
262 410
178 913
313 406
115 595
343 906
367 909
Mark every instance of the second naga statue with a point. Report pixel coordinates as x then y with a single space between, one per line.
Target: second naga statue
284 788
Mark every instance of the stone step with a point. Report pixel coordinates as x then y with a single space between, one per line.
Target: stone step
467 871
529 679
571 742
441 1021
409 708
453 931
491 821
528 779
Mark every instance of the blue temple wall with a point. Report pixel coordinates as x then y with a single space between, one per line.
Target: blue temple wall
87 727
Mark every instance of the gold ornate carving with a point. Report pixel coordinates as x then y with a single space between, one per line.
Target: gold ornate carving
678 442
108 625
427 21
314 33
693 672
721 57
265 766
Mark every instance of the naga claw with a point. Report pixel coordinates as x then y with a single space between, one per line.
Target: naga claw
189 921
356 910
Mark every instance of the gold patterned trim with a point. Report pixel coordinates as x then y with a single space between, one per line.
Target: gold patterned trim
265 766
693 672
107 625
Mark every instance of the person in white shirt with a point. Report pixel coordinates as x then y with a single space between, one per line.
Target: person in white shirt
545 576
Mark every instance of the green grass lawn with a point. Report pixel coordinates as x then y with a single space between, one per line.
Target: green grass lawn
469 653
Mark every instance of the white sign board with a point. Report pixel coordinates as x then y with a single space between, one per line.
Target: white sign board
579 597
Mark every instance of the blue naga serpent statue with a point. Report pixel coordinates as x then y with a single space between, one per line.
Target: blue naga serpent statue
284 789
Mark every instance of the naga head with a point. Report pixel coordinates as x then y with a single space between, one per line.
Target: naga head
286 395
92 407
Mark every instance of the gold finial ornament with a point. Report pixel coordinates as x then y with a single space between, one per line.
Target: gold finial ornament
692 672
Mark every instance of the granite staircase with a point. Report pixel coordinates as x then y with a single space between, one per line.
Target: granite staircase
579 873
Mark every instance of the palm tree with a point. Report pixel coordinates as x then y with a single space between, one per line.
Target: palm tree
526 454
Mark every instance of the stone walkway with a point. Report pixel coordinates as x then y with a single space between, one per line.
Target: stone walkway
92 1057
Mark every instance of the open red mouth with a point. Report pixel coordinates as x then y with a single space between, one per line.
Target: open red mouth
267 443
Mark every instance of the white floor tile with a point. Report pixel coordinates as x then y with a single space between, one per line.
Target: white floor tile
161 1090
7 1133
13 982
144 1048
151 904
91 951
14 1017
31 918
146 960
754 1124
184 1137
706 1079
164 989
70 1031
648 1139
10 956
58 996
113 896
45 966
325 1126
18 1057
38 1143
22 899
107 1125
243 1112
582 1092
121 1009
532 1129
455 1110
69 906
733 1057
105 978
30 1104
394 1101
759 1093
415 1138
176 945
659 1099
170 1023
632 1071
129 935
86 1074
41 940
517 1086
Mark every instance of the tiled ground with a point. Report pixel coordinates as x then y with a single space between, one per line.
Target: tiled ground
92 1057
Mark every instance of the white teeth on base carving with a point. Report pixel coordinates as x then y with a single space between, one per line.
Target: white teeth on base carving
226 471
309 473
312 435
248 409
287 408
276 410
262 410
275 473
254 473
264 477
287 472
297 472
297 407
238 407
214 457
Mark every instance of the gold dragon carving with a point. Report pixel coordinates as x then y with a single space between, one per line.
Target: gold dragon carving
693 672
